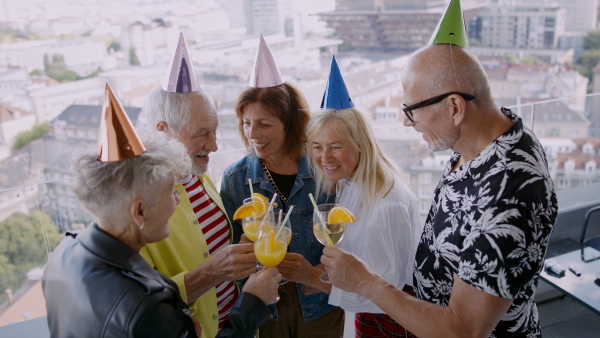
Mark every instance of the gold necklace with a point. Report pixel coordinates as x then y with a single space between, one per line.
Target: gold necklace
281 196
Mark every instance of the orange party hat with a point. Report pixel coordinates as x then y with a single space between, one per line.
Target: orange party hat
117 138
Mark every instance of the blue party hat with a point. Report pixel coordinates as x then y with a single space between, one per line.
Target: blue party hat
336 94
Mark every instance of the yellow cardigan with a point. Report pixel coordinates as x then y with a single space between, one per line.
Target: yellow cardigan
184 250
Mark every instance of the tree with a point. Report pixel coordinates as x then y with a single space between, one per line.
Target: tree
590 56
8 277
25 137
114 45
133 59
531 60
36 72
591 40
587 61
24 244
24 239
57 69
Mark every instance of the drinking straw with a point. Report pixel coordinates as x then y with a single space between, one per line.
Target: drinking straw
250 184
269 209
323 224
287 218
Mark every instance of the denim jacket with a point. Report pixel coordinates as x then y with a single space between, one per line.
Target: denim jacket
234 189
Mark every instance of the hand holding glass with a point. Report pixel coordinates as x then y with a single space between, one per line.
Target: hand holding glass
326 233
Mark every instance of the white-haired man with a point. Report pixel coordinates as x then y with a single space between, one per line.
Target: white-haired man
197 255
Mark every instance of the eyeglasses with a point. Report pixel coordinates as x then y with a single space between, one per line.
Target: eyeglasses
408 109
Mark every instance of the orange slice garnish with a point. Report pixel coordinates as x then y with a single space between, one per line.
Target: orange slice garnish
246 210
258 197
257 209
339 214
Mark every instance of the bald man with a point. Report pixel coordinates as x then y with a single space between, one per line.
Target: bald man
482 249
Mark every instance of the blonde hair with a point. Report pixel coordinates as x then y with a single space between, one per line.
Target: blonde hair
374 171
107 189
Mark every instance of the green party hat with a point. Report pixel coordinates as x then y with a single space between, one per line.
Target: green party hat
451 28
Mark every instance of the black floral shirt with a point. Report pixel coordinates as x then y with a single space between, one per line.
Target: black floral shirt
489 225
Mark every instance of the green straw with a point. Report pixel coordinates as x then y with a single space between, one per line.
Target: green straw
287 217
250 184
323 224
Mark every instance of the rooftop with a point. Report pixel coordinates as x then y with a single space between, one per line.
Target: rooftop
77 115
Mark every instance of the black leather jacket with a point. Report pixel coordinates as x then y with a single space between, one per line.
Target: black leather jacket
97 286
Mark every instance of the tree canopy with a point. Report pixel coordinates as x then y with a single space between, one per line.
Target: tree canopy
24 243
57 69
25 137
133 58
590 56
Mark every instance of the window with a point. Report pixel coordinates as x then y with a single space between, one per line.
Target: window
424 207
564 183
425 178
590 166
425 192
569 166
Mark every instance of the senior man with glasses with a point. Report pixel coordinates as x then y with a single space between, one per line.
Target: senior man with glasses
482 249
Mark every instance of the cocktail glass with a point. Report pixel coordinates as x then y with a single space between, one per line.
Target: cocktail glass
269 248
326 233
251 224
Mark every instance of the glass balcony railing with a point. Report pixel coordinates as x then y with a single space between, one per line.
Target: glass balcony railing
37 204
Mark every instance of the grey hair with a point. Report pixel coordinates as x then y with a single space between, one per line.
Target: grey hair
172 108
107 189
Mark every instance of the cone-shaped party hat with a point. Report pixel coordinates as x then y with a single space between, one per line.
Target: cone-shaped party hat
117 138
336 94
181 77
265 72
451 28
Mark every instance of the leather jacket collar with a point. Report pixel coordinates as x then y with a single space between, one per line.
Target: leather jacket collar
114 252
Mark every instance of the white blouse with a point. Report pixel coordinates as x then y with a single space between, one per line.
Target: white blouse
386 238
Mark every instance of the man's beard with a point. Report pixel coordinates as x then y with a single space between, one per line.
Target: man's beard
199 169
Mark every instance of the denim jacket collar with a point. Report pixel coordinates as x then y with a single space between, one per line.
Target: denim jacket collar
256 173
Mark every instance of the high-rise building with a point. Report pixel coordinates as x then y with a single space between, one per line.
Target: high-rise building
235 12
580 15
380 5
269 17
387 25
534 25
149 39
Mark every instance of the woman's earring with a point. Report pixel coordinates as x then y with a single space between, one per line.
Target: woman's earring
142 226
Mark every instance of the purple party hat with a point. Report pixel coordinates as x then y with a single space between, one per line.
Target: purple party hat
181 77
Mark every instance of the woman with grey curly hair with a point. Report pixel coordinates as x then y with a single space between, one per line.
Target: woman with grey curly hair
95 283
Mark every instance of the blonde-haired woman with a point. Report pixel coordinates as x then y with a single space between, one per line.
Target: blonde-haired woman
349 162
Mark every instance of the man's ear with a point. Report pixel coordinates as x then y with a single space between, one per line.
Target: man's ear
458 107
138 211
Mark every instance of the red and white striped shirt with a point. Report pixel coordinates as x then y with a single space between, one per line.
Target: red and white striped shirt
215 228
